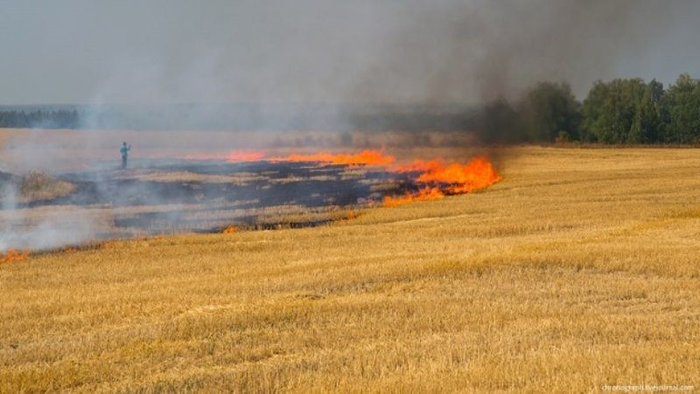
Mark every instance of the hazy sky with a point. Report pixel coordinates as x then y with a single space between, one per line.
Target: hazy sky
87 51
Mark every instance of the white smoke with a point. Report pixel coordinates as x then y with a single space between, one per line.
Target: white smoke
40 229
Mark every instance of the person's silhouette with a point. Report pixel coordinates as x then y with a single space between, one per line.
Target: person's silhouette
125 154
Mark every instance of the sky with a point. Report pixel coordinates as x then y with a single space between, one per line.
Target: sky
333 51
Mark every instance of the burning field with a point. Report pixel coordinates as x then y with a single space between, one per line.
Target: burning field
576 271
242 189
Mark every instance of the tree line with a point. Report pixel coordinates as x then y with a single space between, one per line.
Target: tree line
60 119
621 111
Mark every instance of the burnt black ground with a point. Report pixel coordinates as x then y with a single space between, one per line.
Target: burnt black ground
6 177
213 205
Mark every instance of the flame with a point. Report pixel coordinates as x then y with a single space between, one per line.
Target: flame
231 157
421 166
13 255
476 175
240 156
367 157
436 178
443 179
425 194
230 230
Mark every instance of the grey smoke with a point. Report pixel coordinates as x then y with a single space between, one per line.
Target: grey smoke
55 228
321 51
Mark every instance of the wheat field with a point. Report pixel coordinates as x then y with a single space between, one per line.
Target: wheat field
581 269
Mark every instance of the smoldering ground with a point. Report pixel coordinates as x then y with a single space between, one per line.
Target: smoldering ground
171 196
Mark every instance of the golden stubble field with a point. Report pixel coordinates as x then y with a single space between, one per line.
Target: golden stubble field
580 269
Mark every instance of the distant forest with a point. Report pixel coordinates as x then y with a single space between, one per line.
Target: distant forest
47 119
622 111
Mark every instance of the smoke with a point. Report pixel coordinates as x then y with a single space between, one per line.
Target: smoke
323 64
479 51
338 52
318 64
46 229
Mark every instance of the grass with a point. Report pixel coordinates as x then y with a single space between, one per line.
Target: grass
39 186
34 186
580 269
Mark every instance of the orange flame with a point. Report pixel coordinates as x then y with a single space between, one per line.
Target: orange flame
455 178
231 157
230 230
425 194
437 178
239 156
13 255
476 175
367 157
421 166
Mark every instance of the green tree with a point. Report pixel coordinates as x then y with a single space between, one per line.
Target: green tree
610 110
591 110
682 105
648 124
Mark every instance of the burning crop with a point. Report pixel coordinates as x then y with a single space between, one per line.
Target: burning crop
439 180
427 179
227 192
13 255
367 157
238 156
230 230
436 178
424 194
476 175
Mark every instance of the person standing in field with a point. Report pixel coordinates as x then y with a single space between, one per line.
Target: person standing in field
125 154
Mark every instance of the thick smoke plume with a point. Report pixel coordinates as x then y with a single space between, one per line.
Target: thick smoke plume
330 52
